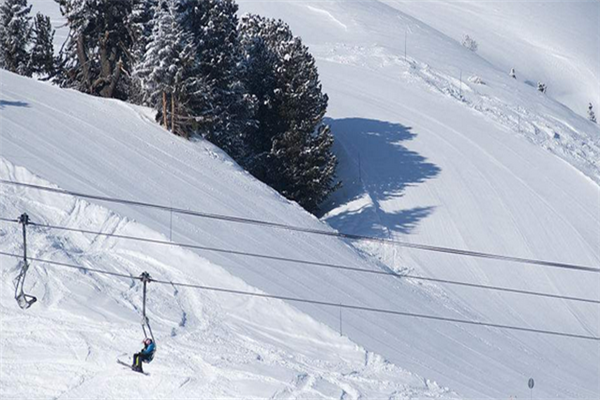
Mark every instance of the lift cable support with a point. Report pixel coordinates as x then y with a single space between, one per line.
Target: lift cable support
24 300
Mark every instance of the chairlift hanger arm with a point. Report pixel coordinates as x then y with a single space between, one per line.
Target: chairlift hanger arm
24 300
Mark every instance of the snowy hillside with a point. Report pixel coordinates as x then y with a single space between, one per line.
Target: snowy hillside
554 41
210 345
426 158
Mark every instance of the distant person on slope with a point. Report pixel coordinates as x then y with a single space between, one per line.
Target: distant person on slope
146 355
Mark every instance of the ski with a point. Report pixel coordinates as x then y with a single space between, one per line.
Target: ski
131 368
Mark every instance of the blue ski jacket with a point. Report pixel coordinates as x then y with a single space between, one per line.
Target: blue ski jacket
149 351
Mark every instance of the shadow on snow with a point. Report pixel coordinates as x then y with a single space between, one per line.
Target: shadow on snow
6 103
374 163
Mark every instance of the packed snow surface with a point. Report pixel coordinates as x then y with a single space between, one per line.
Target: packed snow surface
209 345
439 147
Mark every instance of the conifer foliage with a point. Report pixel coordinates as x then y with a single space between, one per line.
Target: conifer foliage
248 86
291 149
42 53
166 70
15 36
222 108
141 22
97 56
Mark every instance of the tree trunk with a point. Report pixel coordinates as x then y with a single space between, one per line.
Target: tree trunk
165 110
81 55
109 90
105 63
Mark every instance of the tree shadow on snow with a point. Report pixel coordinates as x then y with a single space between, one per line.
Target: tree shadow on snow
7 103
375 167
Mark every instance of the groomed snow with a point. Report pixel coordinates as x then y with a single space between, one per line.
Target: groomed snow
209 345
496 167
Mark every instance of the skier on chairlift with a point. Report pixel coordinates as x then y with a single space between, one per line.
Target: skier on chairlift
145 355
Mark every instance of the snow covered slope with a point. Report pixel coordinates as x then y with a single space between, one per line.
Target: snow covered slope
427 158
209 345
441 162
556 42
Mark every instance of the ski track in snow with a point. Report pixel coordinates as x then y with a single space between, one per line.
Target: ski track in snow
329 15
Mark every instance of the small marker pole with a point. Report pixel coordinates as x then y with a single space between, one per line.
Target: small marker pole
405 36
531 383
171 226
341 332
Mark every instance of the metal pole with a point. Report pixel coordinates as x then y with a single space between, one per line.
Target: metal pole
171 226
25 301
144 302
405 35
341 331
24 220
145 277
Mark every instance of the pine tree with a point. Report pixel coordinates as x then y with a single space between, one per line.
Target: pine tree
97 57
291 150
141 22
261 64
166 70
42 53
222 108
15 36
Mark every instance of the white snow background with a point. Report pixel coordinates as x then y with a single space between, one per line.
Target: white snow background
494 166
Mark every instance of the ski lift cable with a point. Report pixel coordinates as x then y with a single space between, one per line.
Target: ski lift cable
72 266
25 301
379 310
325 303
229 218
315 263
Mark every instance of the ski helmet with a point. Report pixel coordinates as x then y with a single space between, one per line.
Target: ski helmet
147 341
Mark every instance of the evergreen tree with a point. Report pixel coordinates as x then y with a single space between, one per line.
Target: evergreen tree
291 150
97 57
222 108
166 70
42 53
15 36
141 22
